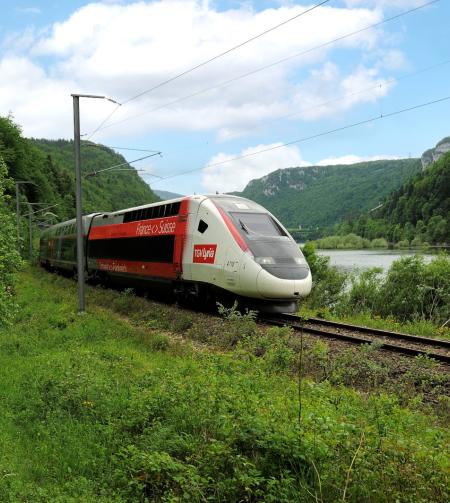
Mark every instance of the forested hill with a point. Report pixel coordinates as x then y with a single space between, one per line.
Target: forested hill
50 166
321 196
106 191
417 212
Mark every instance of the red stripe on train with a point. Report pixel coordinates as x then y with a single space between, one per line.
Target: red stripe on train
153 227
180 235
235 233
154 269
176 225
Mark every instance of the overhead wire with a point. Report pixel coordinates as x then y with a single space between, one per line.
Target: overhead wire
96 145
337 99
307 138
265 67
126 163
204 63
343 97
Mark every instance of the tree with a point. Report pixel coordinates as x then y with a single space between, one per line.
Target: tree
9 257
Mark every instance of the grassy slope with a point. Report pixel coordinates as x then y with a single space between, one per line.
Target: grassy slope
95 408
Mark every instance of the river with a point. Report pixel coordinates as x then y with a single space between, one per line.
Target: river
358 260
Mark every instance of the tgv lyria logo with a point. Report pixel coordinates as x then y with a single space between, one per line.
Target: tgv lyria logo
204 254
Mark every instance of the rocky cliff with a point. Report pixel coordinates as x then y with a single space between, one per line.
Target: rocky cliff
433 154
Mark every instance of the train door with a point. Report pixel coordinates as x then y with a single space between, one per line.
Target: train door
207 249
231 267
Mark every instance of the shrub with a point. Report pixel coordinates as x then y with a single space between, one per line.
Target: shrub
364 294
401 290
328 281
159 342
379 243
416 242
403 244
9 258
237 325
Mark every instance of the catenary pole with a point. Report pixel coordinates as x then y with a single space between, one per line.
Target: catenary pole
30 230
78 195
79 211
18 216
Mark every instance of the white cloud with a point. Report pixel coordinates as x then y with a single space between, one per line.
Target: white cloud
234 175
119 50
327 91
353 159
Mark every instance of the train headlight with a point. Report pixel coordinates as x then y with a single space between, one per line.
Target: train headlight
264 260
300 260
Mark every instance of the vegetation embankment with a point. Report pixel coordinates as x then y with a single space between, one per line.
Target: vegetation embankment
106 408
413 296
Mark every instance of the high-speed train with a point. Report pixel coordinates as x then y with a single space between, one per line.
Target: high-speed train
202 248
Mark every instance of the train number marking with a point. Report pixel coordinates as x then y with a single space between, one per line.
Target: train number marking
204 254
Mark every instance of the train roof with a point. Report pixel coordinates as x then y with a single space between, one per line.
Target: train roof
197 197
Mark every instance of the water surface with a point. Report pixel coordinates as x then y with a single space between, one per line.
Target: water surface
360 260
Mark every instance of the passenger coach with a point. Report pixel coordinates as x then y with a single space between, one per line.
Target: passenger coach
203 248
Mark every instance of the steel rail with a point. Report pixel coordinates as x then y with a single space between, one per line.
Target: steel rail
297 323
383 333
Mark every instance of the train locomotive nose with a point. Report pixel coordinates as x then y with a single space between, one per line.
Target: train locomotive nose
272 287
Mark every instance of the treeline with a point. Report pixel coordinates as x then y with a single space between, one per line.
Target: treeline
416 213
349 242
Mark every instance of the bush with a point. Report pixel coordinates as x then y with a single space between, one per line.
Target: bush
416 242
379 243
9 257
411 290
328 281
403 244
159 342
234 327
415 290
364 294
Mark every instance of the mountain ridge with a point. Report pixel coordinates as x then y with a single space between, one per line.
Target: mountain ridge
321 196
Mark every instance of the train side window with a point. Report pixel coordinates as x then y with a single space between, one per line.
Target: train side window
202 226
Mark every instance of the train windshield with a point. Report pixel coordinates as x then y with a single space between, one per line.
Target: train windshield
257 224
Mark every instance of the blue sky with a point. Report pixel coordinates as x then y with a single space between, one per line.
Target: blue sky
49 49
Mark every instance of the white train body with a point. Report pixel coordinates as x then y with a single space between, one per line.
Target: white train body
237 258
202 247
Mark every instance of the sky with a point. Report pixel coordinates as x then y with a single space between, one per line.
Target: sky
225 123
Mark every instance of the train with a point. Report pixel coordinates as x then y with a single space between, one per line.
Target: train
200 248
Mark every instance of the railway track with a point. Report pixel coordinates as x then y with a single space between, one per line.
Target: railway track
411 345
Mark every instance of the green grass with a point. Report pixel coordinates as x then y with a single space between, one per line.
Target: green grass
103 407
